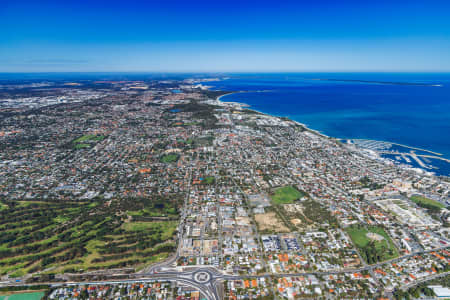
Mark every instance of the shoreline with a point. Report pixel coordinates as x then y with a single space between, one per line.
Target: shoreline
248 107
267 114
230 93
322 134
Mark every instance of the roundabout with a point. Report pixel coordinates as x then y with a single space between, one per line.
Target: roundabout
202 277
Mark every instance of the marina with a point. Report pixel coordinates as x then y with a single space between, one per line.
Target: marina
402 154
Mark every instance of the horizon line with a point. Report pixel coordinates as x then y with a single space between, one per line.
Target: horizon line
217 72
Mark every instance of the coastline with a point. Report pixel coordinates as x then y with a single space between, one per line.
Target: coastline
230 93
316 132
267 114
320 133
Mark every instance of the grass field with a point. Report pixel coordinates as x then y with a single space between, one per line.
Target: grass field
165 228
209 180
88 137
61 219
426 202
372 250
286 195
86 140
81 146
23 296
149 212
168 158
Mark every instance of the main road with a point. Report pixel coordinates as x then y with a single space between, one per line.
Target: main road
206 279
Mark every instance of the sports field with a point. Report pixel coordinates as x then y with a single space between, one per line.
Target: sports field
286 195
426 202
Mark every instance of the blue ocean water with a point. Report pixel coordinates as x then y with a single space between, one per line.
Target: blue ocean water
415 111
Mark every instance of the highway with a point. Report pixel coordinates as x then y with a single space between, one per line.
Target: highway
206 279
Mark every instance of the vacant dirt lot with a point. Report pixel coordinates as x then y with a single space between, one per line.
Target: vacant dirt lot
270 221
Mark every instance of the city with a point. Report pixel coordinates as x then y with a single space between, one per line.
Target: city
157 189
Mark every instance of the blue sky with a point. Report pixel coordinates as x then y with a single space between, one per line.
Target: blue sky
185 36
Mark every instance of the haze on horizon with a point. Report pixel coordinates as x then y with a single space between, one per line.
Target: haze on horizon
224 36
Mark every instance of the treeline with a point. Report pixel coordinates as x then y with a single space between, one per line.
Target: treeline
433 209
163 249
24 288
56 232
204 112
315 211
157 204
144 242
414 292
366 182
373 255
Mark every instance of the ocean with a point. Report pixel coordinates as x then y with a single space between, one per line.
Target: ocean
404 108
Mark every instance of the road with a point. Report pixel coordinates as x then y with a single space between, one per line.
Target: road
171 260
422 280
207 279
